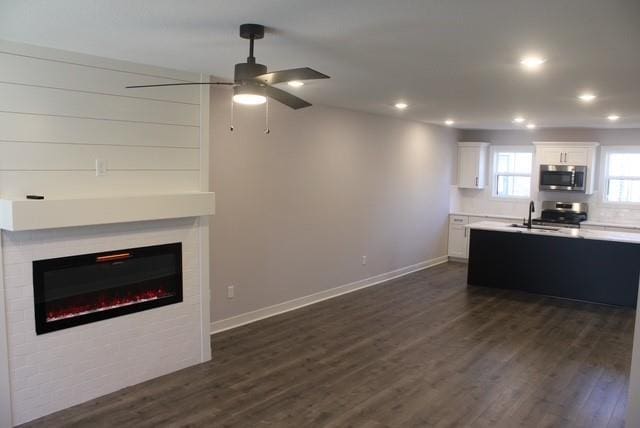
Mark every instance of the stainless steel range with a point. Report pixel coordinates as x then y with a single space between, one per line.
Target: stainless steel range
564 214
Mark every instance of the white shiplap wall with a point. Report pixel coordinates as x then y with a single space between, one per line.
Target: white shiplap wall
61 111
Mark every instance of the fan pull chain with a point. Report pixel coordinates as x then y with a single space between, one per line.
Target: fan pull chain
231 125
266 117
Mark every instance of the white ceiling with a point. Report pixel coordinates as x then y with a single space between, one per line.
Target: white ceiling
446 58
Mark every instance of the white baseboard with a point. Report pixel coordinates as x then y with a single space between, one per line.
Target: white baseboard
290 305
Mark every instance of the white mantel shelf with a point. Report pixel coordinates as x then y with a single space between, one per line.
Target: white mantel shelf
26 214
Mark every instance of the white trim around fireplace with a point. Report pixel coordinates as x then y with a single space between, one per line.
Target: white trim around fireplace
5 386
203 223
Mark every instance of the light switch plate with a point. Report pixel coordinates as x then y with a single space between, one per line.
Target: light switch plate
101 167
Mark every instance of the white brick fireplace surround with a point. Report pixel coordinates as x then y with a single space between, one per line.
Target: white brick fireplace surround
59 369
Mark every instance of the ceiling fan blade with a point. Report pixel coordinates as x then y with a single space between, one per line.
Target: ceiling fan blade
179 84
304 73
286 98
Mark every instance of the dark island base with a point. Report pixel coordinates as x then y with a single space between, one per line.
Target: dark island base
582 269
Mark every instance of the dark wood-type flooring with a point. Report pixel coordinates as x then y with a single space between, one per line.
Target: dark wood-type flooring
420 351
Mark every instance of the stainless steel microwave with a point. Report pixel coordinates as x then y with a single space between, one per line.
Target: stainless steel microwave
568 178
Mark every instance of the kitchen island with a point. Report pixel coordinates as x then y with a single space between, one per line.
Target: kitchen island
590 265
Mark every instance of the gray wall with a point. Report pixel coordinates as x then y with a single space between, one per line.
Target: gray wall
603 136
297 209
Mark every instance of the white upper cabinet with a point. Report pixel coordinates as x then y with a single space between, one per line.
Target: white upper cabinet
472 165
564 155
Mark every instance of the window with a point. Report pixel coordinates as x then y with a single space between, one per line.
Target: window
622 176
512 172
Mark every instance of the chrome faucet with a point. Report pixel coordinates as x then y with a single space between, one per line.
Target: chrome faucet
532 209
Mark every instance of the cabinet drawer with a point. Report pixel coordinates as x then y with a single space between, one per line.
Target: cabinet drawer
458 219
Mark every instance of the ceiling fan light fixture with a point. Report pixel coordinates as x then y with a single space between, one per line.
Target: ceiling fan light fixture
295 83
251 95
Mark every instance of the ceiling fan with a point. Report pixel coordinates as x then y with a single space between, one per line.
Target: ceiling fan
251 82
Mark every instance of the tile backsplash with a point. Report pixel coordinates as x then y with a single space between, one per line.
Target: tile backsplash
482 202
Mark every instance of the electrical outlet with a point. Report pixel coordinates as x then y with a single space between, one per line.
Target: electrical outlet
101 167
230 292
364 260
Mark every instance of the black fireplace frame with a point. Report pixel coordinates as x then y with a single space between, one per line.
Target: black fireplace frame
42 266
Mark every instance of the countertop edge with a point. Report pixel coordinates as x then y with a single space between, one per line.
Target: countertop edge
598 235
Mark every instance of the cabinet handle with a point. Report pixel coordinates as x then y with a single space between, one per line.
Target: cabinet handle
465 232
561 157
476 181
565 157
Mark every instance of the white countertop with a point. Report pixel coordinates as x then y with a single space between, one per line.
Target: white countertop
601 235
584 223
506 217
604 224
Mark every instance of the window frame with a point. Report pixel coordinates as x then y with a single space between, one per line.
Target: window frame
606 151
493 151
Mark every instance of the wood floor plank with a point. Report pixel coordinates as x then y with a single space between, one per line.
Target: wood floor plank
424 350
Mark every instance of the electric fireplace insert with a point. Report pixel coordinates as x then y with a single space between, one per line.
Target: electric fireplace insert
71 291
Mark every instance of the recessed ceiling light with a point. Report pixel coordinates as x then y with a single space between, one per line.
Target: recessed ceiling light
295 83
587 97
449 122
613 117
518 119
401 106
531 125
532 63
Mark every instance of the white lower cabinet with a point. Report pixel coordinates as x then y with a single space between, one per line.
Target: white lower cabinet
458 236
459 233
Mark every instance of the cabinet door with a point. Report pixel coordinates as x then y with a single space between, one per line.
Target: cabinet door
577 156
551 156
457 241
468 167
564 156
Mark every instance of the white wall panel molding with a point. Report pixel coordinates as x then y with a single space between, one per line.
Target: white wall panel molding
72 157
40 72
63 102
59 129
73 58
61 112
60 184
